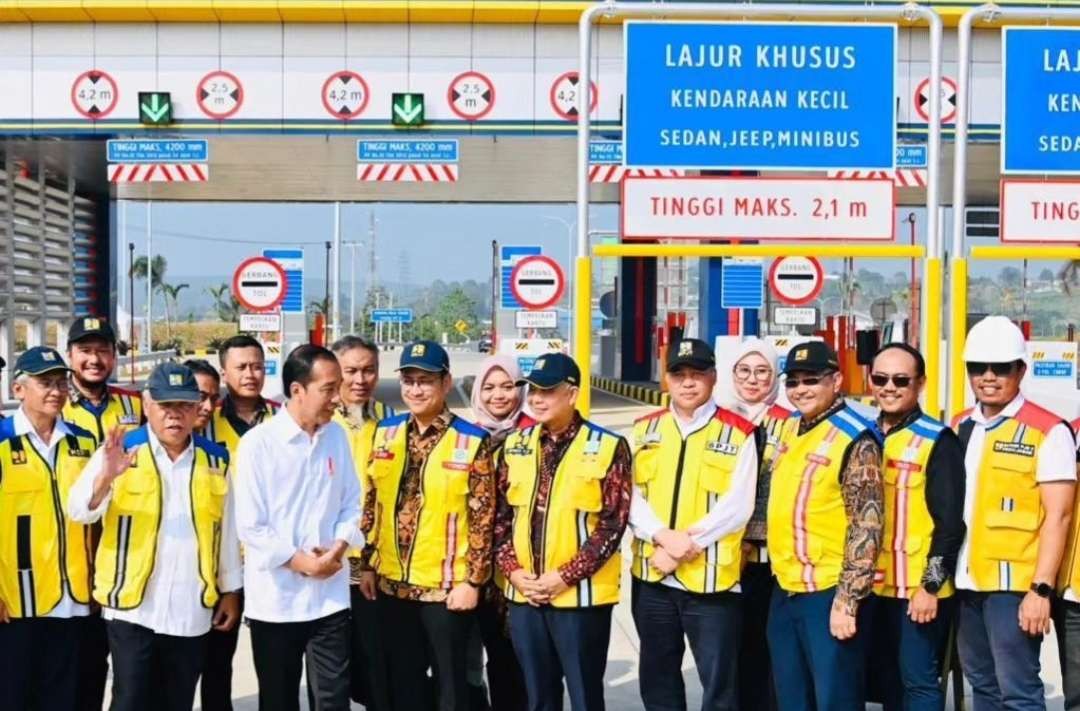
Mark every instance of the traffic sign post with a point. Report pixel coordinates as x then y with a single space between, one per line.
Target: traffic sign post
948 99
259 284
742 283
345 95
764 96
261 323
391 315
794 316
509 256
1035 211
536 319
219 95
440 151
179 150
796 280
911 156
537 282
564 96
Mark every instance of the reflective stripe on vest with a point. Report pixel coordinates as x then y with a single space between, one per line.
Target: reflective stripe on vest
807 523
42 552
437 557
360 441
573 507
908 525
123 409
683 480
127 552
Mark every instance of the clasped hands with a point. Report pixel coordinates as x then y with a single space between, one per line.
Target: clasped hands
538 589
672 548
321 562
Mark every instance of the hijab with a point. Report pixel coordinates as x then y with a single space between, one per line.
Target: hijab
732 401
482 417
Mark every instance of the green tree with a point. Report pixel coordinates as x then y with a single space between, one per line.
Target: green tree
171 292
455 306
225 304
1046 275
1010 276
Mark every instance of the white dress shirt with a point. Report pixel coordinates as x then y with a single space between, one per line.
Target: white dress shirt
172 604
1056 462
67 607
294 492
730 513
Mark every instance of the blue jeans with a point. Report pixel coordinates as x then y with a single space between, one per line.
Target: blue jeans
553 644
1000 662
911 674
663 616
811 668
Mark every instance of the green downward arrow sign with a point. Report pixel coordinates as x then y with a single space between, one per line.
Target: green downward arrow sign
408 109
155 107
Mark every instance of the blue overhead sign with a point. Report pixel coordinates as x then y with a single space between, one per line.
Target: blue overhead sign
760 95
292 263
742 284
1040 131
605 152
441 151
157 151
911 156
391 316
509 255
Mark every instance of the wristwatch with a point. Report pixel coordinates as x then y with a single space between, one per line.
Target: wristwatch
932 586
1044 590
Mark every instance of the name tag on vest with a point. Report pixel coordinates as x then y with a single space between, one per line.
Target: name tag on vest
1024 450
456 466
722 447
78 453
383 454
904 466
18 456
818 459
129 420
519 451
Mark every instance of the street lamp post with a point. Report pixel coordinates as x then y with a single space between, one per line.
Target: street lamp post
353 245
570 264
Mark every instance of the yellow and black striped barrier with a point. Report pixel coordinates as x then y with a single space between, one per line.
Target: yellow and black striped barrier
647 394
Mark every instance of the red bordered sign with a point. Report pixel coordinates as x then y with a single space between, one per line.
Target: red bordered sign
219 94
796 280
94 94
345 95
537 282
471 95
563 96
948 100
259 284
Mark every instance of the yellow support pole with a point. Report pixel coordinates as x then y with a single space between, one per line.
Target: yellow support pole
931 346
958 306
1029 252
583 329
877 251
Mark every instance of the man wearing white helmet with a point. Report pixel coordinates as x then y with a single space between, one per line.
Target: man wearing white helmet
1021 470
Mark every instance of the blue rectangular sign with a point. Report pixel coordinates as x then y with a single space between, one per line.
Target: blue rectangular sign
1053 369
508 257
760 96
909 156
157 151
391 316
1040 132
605 152
292 262
441 151
742 285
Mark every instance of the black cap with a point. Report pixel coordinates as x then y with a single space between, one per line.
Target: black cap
172 382
690 352
425 355
2 363
38 361
91 327
811 357
552 370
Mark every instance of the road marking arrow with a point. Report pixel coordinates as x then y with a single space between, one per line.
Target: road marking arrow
406 111
156 110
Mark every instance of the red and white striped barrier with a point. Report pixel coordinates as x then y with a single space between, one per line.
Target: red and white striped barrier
158 173
902 177
615 173
407 172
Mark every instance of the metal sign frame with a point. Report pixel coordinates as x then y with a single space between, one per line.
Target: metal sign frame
910 14
988 16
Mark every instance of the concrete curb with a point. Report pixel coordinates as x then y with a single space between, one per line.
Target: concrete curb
647 394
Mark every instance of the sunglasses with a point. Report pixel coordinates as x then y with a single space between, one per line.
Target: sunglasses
881 380
999 369
792 383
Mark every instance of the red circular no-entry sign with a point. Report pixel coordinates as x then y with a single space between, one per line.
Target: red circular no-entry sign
796 280
537 282
259 284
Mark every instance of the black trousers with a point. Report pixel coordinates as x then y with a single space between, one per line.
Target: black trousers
419 635
280 650
505 679
39 660
756 690
1067 629
153 671
216 688
93 663
367 668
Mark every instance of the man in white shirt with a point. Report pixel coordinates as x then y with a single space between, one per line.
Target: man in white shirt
1021 471
695 481
168 564
297 513
44 567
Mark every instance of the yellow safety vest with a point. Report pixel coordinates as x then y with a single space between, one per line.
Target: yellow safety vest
682 479
573 507
1008 511
772 425
360 440
120 408
219 430
908 525
127 553
42 552
437 558
807 523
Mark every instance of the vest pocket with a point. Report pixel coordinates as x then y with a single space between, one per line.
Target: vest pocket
585 493
136 494
217 488
1011 535
715 474
893 476
518 494
20 489
457 486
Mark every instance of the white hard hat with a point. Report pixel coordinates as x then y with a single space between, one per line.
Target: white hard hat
995 339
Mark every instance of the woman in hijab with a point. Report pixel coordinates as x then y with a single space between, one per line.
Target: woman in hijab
755 386
498 405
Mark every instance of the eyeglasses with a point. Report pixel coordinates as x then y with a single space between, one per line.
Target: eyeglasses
882 379
745 372
1001 370
792 383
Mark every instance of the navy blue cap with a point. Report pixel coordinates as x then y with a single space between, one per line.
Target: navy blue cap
811 357
39 360
172 382
425 355
91 327
552 370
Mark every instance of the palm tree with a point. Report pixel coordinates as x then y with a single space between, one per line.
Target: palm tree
225 303
157 268
1070 275
171 293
